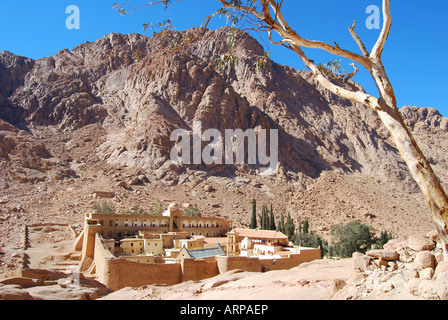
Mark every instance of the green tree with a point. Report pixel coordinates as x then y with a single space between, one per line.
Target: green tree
264 219
289 227
281 224
384 238
272 225
306 227
253 221
352 237
311 240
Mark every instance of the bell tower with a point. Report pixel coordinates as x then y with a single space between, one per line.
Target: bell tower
233 243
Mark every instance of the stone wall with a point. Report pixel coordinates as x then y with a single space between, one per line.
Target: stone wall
196 270
120 273
292 261
253 264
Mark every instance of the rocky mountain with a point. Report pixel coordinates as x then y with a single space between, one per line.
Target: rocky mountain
100 115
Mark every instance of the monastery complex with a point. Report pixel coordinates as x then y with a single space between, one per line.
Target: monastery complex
137 250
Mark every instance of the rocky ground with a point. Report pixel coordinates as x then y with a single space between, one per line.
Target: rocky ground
405 270
97 119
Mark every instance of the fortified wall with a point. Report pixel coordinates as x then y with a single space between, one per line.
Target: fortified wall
101 232
118 273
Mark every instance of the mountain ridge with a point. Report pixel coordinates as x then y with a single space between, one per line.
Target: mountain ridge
103 113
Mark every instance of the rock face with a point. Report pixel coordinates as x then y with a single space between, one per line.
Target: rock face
141 92
25 160
13 70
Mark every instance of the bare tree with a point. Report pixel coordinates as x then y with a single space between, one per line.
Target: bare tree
266 15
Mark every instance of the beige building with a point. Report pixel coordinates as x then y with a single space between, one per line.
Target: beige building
173 220
170 226
254 242
132 246
175 251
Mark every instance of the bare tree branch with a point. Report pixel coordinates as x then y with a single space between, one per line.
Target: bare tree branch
356 97
286 32
200 32
387 24
358 40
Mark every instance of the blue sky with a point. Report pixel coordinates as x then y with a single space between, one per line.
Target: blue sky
414 56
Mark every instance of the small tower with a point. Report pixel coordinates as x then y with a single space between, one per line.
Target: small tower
91 228
233 243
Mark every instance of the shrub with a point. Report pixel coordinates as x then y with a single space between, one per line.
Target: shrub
384 238
193 212
305 238
350 238
136 211
104 208
156 209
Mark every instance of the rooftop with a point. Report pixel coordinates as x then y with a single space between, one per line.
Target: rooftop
261 234
207 253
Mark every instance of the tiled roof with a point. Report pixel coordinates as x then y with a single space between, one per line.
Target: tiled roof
260 234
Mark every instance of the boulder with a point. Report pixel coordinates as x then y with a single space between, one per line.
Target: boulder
425 259
361 262
442 266
208 188
427 289
388 255
23 282
442 285
433 235
14 292
427 273
395 244
43 274
420 243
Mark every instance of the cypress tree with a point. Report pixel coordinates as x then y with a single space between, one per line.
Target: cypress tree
272 220
289 227
253 221
306 227
264 218
281 224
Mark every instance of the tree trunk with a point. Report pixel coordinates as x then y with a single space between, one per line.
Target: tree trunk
418 165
